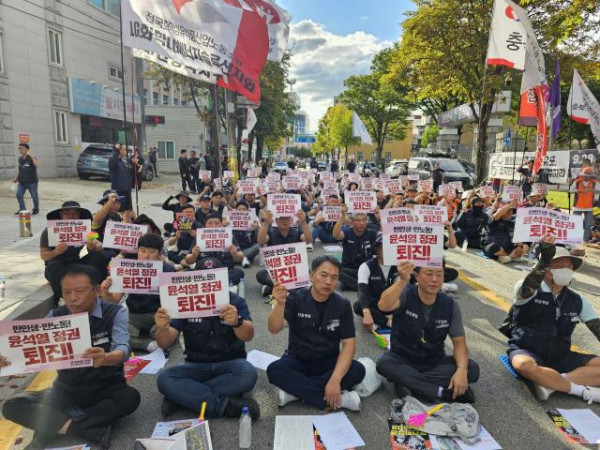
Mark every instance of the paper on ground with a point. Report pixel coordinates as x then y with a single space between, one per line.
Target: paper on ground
261 360
157 361
585 421
337 432
165 430
293 432
487 442
333 248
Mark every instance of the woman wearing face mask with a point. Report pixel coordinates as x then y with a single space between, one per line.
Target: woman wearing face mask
540 325
471 223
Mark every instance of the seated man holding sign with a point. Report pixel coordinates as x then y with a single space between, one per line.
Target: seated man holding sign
82 401
540 325
498 242
314 369
423 317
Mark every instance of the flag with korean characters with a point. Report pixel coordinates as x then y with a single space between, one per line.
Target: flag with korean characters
431 213
531 224
397 215
123 236
284 205
360 201
72 232
191 295
132 276
287 264
54 343
214 239
242 220
420 244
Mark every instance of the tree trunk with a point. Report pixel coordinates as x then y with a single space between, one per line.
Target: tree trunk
238 143
250 145
260 143
482 148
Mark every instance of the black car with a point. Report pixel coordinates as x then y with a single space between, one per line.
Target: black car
453 170
93 162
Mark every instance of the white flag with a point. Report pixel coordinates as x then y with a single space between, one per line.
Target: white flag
508 38
359 129
250 120
583 107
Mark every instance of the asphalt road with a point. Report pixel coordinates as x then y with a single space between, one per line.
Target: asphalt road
507 407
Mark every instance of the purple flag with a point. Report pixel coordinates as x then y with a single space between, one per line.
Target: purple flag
555 102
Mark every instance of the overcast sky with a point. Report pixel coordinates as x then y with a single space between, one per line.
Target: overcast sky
333 39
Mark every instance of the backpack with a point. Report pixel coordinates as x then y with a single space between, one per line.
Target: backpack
454 419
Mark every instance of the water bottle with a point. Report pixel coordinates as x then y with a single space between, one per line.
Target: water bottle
242 288
2 287
245 429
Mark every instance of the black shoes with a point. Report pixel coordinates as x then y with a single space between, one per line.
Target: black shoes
35 211
467 397
99 435
234 407
401 391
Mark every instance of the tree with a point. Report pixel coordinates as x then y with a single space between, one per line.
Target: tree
382 106
429 135
300 152
324 142
341 129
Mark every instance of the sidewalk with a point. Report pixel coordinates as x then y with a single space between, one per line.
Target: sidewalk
27 291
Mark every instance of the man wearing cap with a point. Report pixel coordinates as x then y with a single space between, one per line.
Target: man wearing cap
471 222
58 259
498 241
586 187
323 229
120 176
111 205
540 325
183 198
27 179
204 210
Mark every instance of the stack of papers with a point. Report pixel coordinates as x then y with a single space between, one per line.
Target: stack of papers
157 361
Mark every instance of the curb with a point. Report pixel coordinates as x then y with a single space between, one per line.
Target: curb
35 306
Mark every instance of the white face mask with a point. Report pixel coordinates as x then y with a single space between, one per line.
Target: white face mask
562 277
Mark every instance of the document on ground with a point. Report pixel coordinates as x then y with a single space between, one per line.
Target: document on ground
585 421
293 432
261 360
337 432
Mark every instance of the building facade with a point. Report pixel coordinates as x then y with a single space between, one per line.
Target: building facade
396 149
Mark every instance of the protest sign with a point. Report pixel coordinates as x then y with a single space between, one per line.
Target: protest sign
228 174
72 232
422 245
457 185
366 184
135 277
204 174
247 186
287 264
214 239
242 220
274 176
332 213
431 213
425 185
510 193
446 189
355 177
532 224
578 157
486 191
413 177
270 187
539 189
123 236
504 165
45 344
292 183
190 295
218 184
397 215
360 201
394 186
284 205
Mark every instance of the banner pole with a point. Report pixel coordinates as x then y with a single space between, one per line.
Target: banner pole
123 81
515 154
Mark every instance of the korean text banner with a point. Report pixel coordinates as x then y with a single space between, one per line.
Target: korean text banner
534 223
504 165
214 239
243 220
284 205
45 344
123 236
189 295
360 201
72 232
208 39
287 264
583 107
135 277
421 244
507 38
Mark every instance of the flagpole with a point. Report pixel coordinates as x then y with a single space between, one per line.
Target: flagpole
123 82
515 155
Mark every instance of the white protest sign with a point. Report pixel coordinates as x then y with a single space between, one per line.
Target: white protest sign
72 232
425 185
292 183
328 192
510 193
531 224
332 213
360 201
539 189
504 165
397 215
366 184
274 176
486 191
457 185
123 236
431 213
214 239
45 344
218 184
446 189
271 187
189 295
423 245
204 174
287 264
284 205
247 186
412 177
242 220
394 186
228 174
135 277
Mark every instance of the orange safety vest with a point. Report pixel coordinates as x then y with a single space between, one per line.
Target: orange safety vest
584 200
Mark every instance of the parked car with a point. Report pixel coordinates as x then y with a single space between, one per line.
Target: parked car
367 169
280 167
321 166
395 168
93 162
453 170
471 170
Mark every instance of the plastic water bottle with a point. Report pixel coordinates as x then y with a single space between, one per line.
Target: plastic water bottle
2 287
242 288
245 429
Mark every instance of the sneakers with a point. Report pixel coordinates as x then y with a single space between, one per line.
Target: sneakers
504 259
309 247
283 398
233 410
350 400
167 407
245 262
266 290
542 392
151 347
591 395
450 287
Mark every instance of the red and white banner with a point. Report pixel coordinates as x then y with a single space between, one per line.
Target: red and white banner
228 174
447 190
131 276
397 215
292 183
532 224
425 185
242 220
191 295
45 344
507 37
510 193
247 186
332 213
431 213
214 239
287 264
541 93
208 39
72 232
360 201
284 205
583 107
123 236
423 245
539 189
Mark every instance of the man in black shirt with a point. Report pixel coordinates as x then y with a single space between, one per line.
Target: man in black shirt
120 176
183 198
313 368
27 179
184 171
152 155
194 163
438 176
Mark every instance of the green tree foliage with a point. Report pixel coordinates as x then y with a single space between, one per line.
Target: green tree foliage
429 135
324 138
335 131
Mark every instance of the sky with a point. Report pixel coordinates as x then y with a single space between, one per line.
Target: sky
333 39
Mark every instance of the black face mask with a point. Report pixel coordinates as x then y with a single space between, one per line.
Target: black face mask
477 209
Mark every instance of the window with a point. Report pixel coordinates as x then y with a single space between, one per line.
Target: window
155 98
360 156
115 72
165 100
60 125
166 149
55 46
111 6
175 101
388 156
1 56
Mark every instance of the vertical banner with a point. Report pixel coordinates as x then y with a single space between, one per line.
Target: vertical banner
287 264
422 245
131 276
532 224
123 236
214 239
72 232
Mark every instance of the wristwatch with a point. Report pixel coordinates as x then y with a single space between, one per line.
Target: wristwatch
239 322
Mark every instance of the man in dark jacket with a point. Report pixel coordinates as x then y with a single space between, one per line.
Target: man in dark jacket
194 163
27 179
152 155
471 224
184 171
120 176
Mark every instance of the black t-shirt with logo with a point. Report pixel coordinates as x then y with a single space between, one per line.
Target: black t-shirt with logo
27 170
